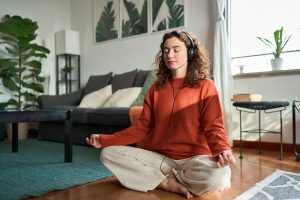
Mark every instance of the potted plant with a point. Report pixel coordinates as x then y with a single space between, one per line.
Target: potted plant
66 72
20 61
276 48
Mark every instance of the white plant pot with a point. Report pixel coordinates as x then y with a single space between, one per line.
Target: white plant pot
22 131
276 64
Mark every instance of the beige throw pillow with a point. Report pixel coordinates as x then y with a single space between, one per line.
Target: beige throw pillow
96 99
123 97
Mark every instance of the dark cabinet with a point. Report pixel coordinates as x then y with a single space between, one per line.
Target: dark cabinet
67 73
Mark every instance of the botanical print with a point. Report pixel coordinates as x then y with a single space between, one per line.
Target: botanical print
106 20
134 17
117 19
167 14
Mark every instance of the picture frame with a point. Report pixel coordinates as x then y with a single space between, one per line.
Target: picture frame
134 17
106 20
120 19
167 14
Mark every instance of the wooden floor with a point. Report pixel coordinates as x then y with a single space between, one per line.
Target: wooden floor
248 171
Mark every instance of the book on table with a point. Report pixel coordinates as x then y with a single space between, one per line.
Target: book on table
246 97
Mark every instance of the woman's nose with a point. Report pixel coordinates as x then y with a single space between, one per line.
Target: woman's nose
170 54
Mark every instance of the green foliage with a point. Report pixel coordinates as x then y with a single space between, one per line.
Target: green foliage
137 23
156 4
20 62
67 69
280 43
176 18
105 26
162 25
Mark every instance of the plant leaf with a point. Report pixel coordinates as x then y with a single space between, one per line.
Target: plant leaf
10 84
19 28
176 18
162 25
156 4
105 29
137 23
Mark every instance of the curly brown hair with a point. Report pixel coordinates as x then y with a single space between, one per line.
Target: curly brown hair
198 67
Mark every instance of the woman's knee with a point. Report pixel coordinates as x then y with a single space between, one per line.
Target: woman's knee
107 153
220 178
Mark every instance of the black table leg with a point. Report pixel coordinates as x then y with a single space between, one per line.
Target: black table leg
294 134
259 131
15 137
241 139
281 146
68 140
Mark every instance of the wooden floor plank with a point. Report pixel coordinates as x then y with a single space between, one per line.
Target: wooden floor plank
251 169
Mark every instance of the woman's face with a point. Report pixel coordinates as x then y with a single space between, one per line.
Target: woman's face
175 56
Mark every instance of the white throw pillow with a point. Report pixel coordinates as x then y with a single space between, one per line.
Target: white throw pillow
123 97
97 98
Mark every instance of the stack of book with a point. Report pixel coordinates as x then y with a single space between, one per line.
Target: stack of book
246 97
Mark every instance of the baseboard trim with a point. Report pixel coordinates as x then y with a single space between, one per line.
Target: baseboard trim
265 145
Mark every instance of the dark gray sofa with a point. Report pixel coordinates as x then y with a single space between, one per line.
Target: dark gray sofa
86 120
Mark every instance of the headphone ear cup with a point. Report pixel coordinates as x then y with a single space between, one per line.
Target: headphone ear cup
191 49
191 54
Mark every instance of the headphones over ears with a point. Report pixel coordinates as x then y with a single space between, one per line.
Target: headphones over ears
191 50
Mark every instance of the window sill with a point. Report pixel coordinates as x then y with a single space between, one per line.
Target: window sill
267 73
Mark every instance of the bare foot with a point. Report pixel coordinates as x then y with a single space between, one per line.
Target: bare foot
172 185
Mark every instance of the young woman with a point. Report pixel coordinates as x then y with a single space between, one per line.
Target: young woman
181 142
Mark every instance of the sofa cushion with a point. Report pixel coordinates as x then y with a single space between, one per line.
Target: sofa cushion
140 78
96 99
139 101
125 80
109 117
123 97
97 82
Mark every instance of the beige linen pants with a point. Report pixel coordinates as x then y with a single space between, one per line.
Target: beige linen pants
143 170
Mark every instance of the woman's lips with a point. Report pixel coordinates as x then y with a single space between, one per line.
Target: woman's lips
171 61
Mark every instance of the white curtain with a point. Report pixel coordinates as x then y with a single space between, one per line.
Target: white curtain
222 69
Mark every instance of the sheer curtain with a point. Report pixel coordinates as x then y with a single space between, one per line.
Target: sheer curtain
221 68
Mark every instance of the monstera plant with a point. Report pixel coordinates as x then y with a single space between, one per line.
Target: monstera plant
20 61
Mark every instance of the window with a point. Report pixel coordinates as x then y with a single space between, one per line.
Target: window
260 18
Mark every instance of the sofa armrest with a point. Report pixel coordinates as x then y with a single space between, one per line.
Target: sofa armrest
72 99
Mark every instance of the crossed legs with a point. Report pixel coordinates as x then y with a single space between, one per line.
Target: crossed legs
144 170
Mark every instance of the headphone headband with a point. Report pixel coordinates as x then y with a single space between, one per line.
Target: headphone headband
190 39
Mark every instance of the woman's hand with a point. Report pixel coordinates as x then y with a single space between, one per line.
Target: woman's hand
94 140
225 158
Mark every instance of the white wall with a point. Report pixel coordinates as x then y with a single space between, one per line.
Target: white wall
273 88
138 52
51 16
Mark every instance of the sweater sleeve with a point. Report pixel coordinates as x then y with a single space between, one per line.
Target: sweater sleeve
134 133
212 122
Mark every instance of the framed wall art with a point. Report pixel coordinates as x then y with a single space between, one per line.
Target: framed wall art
106 20
167 14
134 17
118 19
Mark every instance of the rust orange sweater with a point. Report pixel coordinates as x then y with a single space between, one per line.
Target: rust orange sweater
194 126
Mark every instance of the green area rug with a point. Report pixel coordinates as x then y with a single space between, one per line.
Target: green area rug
39 168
